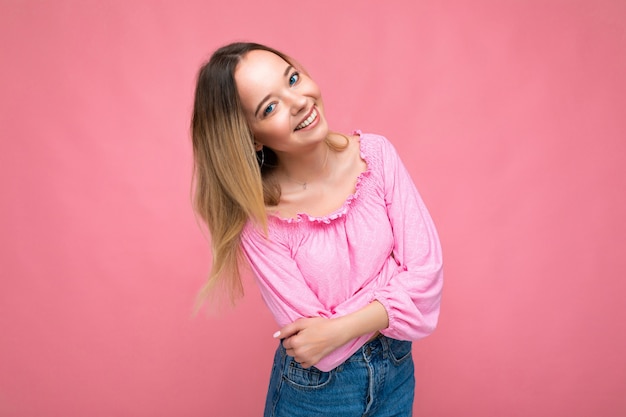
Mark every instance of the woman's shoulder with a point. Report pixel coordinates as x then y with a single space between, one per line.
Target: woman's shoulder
369 140
372 146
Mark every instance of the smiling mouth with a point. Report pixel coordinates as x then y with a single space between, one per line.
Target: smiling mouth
308 120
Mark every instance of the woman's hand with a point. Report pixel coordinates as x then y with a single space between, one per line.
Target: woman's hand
309 340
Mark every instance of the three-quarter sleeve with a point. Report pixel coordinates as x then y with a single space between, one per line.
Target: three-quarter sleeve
287 294
412 296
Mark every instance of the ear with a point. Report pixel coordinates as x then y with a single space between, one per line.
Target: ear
257 146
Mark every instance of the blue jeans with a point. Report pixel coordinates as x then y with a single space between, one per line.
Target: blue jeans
378 380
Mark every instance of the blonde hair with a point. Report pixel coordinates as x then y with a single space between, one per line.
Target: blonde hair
231 186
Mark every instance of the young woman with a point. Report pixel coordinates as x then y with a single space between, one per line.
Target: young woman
344 251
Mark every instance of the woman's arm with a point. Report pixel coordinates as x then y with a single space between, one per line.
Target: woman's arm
412 296
332 336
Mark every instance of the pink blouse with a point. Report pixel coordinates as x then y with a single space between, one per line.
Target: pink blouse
380 245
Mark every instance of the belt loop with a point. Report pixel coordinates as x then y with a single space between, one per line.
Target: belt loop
384 341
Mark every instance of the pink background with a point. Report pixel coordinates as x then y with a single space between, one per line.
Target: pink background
511 116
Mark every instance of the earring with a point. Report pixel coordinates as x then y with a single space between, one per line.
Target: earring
262 161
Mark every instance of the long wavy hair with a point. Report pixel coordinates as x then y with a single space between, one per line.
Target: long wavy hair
231 185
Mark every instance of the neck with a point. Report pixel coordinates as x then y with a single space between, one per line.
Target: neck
308 169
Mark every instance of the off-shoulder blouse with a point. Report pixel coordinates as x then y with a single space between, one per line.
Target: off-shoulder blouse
381 244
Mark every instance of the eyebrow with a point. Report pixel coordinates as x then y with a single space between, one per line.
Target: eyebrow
256 112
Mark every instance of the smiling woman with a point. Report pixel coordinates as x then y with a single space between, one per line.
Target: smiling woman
345 253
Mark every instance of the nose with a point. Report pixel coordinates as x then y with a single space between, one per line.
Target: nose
297 102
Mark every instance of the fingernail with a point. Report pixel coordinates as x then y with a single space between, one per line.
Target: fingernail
275 335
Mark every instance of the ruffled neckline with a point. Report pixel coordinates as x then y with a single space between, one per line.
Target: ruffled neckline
345 207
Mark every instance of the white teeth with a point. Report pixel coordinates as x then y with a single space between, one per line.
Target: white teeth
308 120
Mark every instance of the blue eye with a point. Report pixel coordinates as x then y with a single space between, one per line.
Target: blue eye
269 109
294 78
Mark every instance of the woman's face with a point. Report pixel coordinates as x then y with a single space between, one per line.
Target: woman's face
283 106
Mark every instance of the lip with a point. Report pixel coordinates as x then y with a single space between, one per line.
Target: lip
313 123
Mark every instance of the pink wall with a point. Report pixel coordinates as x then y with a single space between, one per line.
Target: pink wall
510 115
